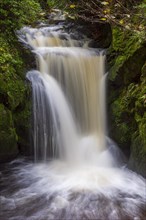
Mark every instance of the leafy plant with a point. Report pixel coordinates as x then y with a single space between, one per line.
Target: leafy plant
13 13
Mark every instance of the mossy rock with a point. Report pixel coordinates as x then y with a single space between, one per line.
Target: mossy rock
137 160
14 63
22 116
14 91
127 96
8 136
122 122
143 71
127 56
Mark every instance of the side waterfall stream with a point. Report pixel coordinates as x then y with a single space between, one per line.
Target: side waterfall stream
78 171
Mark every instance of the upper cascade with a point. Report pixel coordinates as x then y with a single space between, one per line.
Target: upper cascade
51 37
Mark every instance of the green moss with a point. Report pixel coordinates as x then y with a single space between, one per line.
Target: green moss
117 65
122 124
12 86
137 160
143 71
123 48
14 92
22 124
125 41
8 136
128 96
16 13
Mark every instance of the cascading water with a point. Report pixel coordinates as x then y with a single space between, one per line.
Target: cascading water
72 81
80 179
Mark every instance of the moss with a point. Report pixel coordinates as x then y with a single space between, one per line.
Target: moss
126 48
15 13
143 71
14 92
122 124
8 136
128 96
137 160
124 41
22 117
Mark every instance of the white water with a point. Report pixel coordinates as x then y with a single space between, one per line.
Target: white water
84 179
73 83
57 191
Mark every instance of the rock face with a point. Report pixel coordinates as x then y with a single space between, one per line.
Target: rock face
100 34
127 99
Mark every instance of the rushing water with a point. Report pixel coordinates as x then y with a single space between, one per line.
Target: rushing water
77 173
69 89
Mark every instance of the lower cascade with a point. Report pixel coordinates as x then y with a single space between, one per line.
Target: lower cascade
78 171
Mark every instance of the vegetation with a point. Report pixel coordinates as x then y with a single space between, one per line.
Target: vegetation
13 63
129 14
127 79
16 13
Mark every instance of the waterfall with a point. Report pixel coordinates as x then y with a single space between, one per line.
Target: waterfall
77 174
68 98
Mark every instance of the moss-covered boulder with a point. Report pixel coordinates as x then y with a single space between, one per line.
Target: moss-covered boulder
127 98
